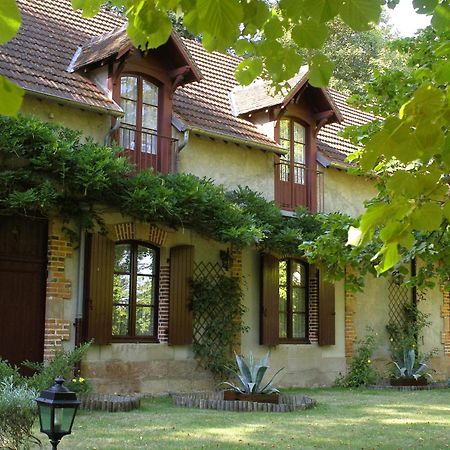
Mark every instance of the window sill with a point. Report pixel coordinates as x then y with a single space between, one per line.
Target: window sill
294 341
134 340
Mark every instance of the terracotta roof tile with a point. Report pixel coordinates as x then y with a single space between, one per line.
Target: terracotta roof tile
38 58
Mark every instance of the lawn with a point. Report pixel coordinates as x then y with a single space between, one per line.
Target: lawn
350 419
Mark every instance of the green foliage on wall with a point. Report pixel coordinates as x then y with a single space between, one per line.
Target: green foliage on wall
217 309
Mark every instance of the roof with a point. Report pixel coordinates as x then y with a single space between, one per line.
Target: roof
334 147
116 42
50 39
259 95
37 57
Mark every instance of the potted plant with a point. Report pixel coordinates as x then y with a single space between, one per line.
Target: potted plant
251 386
409 373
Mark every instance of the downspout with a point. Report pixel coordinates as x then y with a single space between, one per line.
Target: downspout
80 294
181 145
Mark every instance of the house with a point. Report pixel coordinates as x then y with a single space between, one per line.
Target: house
179 108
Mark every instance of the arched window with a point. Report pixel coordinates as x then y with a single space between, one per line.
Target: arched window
139 101
292 139
135 291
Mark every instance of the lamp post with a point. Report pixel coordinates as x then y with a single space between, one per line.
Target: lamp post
57 408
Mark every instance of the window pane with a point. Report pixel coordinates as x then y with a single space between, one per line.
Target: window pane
284 130
283 325
298 326
122 258
144 290
129 109
121 289
149 117
149 143
145 260
298 274
299 133
150 94
298 300
299 153
120 320
144 321
128 87
283 272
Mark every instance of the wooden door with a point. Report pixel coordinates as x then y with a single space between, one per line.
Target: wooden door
23 250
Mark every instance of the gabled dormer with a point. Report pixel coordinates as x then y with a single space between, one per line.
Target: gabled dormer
292 117
142 83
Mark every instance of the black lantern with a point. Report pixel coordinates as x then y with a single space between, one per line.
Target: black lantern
57 408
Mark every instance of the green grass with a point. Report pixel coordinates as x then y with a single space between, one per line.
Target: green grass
343 419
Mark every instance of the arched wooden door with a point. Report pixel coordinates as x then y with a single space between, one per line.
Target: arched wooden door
23 262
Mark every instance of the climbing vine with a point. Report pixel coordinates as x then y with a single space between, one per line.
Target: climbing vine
47 169
217 310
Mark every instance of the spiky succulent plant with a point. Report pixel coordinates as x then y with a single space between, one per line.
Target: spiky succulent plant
251 374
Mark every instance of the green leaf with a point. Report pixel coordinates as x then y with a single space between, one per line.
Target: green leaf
150 28
11 96
321 10
424 6
441 18
248 69
310 34
427 217
220 19
390 255
360 14
446 210
403 183
90 7
273 29
9 19
320 70
256 12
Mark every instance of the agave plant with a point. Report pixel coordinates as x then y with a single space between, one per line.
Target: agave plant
251 376
407 366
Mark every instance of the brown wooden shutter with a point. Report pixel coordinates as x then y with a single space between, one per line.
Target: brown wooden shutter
100 289
327 312
269 313
180 308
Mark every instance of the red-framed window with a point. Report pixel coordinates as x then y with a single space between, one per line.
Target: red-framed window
293 139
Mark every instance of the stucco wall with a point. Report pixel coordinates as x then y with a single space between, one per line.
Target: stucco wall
90 123
228 164
346 193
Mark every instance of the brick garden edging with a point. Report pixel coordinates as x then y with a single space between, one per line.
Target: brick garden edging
214 400
110 403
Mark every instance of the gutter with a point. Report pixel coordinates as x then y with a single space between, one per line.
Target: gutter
75 104
239 141
80 289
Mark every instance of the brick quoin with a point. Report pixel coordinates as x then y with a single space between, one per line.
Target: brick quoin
56 329
163 304
445 314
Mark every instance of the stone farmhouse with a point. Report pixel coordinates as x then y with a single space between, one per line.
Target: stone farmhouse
179 109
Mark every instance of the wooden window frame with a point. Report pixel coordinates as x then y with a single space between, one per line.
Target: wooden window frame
132 337
289 320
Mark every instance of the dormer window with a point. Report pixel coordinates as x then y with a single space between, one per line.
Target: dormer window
139 101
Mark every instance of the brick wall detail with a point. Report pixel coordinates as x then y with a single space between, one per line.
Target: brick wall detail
141 231
445 313
163 304
59 289
56 331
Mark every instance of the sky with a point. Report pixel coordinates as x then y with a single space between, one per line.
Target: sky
405 20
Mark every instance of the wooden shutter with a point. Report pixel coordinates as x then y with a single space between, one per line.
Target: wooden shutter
180 308
269 313
100 289
327 312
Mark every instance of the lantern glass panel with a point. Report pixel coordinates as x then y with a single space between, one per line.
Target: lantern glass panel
45 416
64 419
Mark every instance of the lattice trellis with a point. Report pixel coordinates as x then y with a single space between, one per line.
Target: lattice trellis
214 317
212 273
399 296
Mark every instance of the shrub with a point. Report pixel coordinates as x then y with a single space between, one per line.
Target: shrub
361 370
18 412
10 372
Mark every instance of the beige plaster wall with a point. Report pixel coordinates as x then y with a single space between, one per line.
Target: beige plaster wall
346 193
304 364
90 123
229 164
